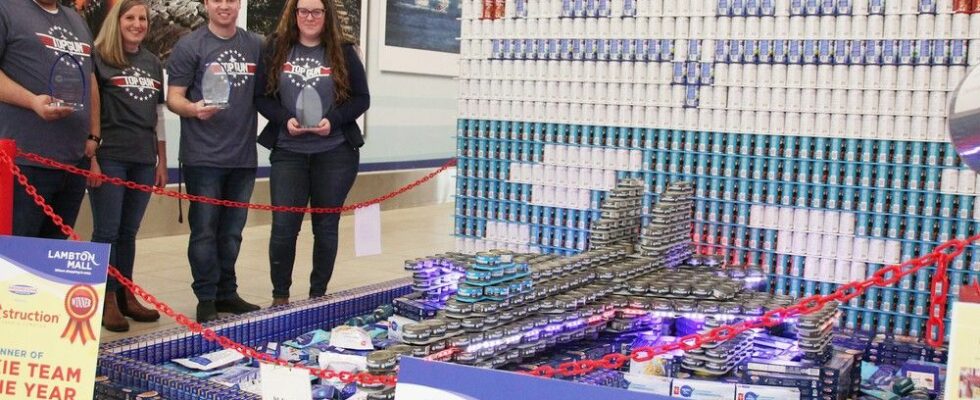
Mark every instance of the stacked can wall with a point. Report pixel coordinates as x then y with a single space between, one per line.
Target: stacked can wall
814 132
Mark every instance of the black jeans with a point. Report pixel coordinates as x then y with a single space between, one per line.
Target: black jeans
61 190
320 180
216 232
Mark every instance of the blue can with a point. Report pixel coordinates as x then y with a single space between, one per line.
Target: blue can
780 49
847 198
750 51
764 51
810 50
940 51
825 51
889 52
772 190
818 199
841 51
873 51
757 191
794 51
666 49
923 52
957 52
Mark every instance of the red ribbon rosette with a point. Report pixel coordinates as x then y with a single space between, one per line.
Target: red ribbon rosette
81 304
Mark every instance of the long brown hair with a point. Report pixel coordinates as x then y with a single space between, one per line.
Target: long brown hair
109 42
332 38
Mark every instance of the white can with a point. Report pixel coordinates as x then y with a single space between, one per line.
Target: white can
777 100
925 26
794 76
889 76
792 125
750 74
843 27
793 101
886 103
808 103
876 27
872 77
825 76
918 128
903 128
937 103
779 75
907 102
869 126
909 26
838 101
762 119
824 100
859 26
777 122
853 128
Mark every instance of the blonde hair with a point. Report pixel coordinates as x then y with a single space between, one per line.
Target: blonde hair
109 42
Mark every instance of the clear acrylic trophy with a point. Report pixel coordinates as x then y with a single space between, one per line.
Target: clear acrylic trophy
67 83
309 107
215 87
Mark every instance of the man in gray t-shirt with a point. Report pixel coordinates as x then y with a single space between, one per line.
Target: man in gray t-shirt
34 37
217 150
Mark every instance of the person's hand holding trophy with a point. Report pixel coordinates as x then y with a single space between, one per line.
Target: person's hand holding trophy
67 89
215 91
309 114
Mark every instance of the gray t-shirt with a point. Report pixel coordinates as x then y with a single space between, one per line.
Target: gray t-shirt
227 139
129 107
31 40
307 66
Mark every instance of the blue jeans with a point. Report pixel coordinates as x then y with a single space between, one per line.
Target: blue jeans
62 191
216 232
117 213
320 180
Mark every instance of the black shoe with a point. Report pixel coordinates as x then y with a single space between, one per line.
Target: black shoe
206 312
235 305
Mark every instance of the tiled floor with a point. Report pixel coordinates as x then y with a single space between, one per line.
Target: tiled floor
162 269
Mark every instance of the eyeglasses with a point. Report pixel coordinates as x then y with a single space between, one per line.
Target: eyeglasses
316 13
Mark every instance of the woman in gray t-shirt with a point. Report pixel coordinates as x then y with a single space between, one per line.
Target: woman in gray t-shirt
314 146
132 148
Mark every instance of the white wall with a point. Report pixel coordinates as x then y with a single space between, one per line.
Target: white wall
412 117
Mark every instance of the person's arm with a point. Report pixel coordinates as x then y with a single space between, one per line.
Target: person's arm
13 93
360 97
268 104
161 171
178 103
182 67
95 129
95 118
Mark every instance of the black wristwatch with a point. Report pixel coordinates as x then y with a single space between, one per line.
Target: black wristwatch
96 139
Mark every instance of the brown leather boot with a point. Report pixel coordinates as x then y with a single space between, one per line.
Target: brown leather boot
112 318
132 308
280 301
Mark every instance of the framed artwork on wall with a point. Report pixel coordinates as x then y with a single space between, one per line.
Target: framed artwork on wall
420 36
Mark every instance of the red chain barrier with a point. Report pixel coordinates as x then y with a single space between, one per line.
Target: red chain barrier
191 325
228 203
886 276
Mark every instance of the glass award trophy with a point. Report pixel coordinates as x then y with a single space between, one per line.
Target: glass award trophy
309 107
215 87
67 83
964 120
